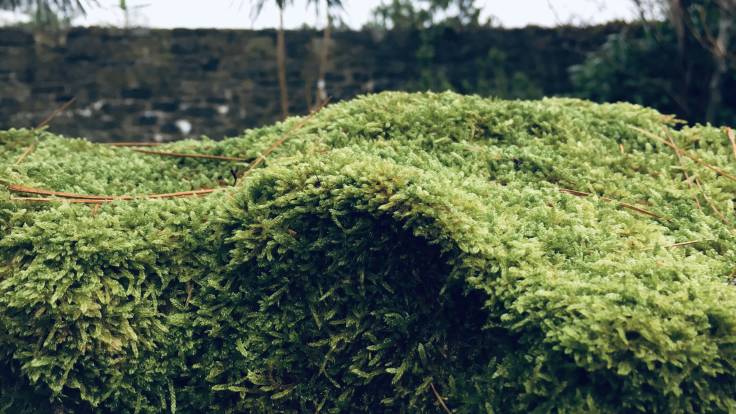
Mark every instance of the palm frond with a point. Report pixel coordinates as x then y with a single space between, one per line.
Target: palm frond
257 6
61 6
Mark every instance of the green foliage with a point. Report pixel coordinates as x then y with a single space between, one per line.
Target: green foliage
430 21
623 70
489 75
495 78
410 15
393 244
637 66
667 62
46 14
64 6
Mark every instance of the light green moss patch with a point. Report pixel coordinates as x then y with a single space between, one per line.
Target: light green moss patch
392 244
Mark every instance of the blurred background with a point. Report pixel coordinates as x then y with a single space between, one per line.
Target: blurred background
161 70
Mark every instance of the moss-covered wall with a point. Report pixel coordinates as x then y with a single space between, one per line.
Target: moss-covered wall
143 84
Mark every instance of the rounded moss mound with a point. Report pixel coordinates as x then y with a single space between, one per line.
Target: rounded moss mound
396 253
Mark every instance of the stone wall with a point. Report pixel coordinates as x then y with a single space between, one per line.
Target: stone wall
142 84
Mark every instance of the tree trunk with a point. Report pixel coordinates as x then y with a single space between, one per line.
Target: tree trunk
323 61
676 11
281 59
720 60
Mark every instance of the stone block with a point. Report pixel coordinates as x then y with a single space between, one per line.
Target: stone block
16 37
137 93
147 120
166 106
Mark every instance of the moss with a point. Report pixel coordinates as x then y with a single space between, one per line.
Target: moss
393 245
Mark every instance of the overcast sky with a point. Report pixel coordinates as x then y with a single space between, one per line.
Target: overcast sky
236 13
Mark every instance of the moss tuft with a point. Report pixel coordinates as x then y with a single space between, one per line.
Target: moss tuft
508 256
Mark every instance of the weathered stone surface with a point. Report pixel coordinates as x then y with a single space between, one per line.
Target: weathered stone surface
143 83
15 37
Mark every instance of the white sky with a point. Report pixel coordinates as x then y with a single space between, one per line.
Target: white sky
236 13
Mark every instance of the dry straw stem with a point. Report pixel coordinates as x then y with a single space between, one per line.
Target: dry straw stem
182 155
620 203
680 152
257 162
25 153
710 201
696 180
62 196
283 139
133 144
56 112
439 398
59 196
43 123
685 153
683 244
58 200
732 137
687 176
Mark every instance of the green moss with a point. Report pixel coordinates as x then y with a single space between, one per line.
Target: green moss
393 244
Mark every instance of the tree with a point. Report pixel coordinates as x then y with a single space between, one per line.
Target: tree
680 56
704 24
45 10
62 5
639 65
428 23
129 12
280 51
329 5
422 14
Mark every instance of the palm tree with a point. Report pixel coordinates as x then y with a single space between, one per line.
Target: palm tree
324 52
45 8
58 4
281 48
280 51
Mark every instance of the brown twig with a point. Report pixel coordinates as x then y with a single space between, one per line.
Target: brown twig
696 180
182 155
43 123
25 153
56 112
439 398
132 144
687 243
709 201
19 188
58 200
283 139
189 294
179 194
61 196
686 154
687 176
732 137
620 203
575 192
